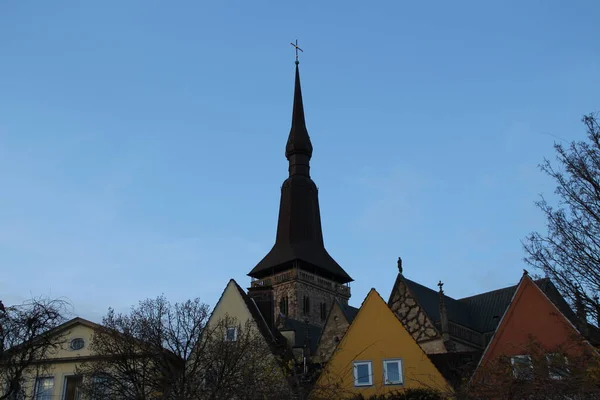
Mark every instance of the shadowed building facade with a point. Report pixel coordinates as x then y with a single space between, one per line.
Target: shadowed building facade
296 283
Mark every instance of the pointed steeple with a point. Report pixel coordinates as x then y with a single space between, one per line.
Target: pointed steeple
299 240
299 149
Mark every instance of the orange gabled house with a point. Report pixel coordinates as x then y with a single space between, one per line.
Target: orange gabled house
534 342
377 355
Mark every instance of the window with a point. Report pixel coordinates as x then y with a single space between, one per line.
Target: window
558 366
77 344
73 386
363 373
522 366
323 308
101 387
44 388
283 305
392 372
231 334
306 306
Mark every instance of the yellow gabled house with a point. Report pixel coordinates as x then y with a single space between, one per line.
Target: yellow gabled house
56 377
377 356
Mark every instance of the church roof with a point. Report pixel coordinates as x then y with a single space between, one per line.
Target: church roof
299 239
483 311
304 334
349 311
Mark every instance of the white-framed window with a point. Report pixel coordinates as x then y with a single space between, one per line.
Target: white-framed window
44 388
363 373
392 372
558 366
231 334
522 366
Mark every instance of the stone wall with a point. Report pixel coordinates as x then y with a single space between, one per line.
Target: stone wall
332 334
316 296
286 289
412 316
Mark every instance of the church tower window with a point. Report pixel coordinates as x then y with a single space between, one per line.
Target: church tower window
306 306
283 305
323 307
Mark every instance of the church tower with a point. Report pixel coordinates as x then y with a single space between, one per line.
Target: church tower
298 279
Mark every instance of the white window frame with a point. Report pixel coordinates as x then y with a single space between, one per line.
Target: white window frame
235 332
36 394
515 372
549 360
355 365
397 361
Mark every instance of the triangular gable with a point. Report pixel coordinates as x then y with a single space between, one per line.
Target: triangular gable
235 303
376 335
531 315
338 320
410 312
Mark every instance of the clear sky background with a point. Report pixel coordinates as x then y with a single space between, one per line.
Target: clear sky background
142 142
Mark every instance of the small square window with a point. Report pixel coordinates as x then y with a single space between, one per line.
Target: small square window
363 373
231 334
392 372
522 367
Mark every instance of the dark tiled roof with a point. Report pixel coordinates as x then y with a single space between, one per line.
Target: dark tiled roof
487 309
275 340
430 301
349 311
299 239
300 329
483 311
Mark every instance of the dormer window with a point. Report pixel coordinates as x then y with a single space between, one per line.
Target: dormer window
76 344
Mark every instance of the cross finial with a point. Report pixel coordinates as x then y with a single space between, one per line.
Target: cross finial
441 285
297 48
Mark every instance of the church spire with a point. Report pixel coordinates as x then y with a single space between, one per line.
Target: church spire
299 240
299 149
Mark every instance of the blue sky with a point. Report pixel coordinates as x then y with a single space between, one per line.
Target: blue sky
142 142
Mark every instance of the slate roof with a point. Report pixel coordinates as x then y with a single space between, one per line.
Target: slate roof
429 299
274 338
300 329
349 311
482 312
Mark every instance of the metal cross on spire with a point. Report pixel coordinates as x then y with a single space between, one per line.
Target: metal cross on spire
297 48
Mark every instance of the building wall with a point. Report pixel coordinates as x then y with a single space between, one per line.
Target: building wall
63 364
295 292
230 305
335 328
531 315
414 318
376 335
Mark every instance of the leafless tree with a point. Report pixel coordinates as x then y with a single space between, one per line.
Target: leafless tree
569 252
170 351
28 335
